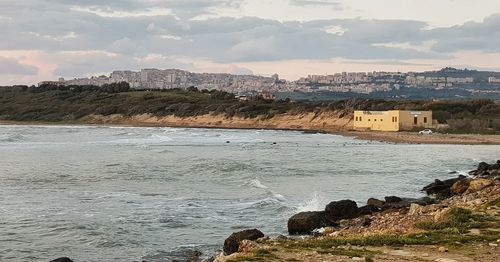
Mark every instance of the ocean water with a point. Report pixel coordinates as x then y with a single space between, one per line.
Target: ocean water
125 194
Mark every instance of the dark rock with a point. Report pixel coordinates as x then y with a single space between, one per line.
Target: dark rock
441 189
306 222
483 166
232 243
375 202
342 209
62 259
392 199
403 203
368 210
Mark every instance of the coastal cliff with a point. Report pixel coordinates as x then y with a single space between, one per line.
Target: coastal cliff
329 121
463 119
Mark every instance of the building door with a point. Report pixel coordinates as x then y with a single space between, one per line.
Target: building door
415 120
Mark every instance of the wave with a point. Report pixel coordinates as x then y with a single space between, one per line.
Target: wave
313 204
255 183
12 138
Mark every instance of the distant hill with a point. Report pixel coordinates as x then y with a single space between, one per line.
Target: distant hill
479 76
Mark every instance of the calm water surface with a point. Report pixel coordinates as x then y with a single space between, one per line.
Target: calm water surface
124 194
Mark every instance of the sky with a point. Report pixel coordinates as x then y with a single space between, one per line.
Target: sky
48 39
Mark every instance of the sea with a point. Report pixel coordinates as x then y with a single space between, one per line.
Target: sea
101 193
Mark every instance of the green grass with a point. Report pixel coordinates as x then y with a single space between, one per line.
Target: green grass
459 220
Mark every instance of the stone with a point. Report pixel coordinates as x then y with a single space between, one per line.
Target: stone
246 245
442 249
445 260
415 209
329 230
475 232
478 184
281 238
343 209
392 199
263 239
483 166
441 189
493 244
375 202
62 259
232 243
306 222
460 186
368 210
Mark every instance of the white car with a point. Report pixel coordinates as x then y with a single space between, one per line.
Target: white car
425 132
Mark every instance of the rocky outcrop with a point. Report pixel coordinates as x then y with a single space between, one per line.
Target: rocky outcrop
482 177
342 209
375 202
485 170
232 243
478 184
442 189
460 186
306 222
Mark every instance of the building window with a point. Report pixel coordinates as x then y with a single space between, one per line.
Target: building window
369 120
381 120
395 119
425 120
356 118
360 119
415 120
375 120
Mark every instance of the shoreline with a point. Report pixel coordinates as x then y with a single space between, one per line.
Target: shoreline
402 137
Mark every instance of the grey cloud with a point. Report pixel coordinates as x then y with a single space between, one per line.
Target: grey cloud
10 66
484 36
45 25
78 64
335 4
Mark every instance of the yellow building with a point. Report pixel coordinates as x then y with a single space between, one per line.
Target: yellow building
393 120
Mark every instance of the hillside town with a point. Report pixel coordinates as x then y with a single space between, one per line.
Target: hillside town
345 82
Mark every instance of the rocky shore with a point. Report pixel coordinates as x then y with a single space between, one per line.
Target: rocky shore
459 220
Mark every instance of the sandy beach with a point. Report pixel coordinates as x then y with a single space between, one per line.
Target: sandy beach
327 123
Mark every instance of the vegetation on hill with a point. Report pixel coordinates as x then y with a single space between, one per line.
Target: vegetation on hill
70 103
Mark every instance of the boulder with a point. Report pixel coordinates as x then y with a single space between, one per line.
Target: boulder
232 243
306 222
441 189
460 186
342 209
415 209
392 199
483 166
478 184
62 259
368 210
375 202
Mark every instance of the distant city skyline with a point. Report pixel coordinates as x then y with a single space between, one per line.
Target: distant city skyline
45 40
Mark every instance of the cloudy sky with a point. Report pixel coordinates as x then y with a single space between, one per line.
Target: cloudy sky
46 39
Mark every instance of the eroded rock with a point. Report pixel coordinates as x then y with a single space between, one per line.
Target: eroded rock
232 243
306 222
